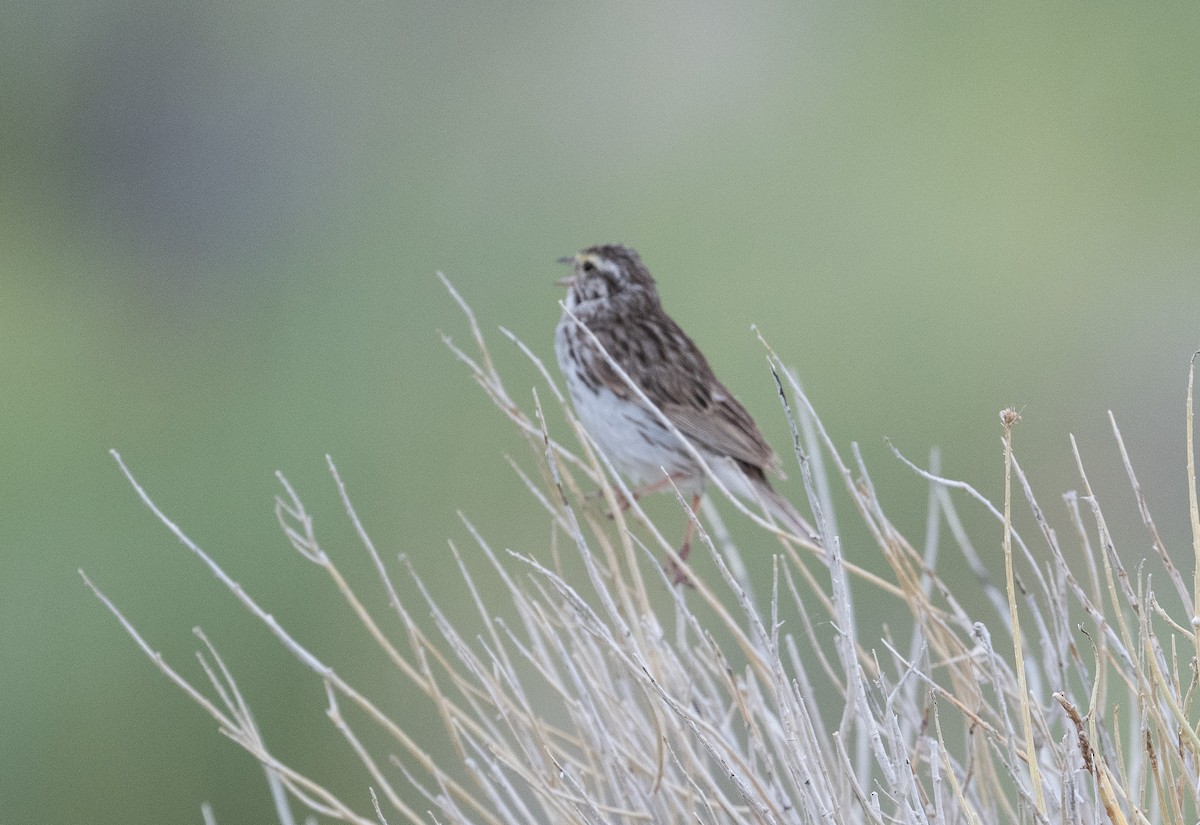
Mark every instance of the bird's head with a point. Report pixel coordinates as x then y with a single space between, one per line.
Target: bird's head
608 273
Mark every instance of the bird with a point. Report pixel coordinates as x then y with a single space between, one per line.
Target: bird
612 296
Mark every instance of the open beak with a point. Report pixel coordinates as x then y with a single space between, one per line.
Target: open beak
570 279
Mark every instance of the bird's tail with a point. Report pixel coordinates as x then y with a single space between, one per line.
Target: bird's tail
782 511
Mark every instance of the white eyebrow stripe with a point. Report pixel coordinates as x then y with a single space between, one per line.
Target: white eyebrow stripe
609 266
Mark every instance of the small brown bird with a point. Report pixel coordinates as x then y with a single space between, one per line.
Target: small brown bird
610 291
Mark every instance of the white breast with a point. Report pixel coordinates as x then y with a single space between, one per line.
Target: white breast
629 435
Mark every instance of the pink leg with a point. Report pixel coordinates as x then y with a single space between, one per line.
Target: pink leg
654 487
676 571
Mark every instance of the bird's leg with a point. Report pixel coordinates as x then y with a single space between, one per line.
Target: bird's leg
624 503
675 569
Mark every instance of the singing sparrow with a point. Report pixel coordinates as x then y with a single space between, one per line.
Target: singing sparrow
610 291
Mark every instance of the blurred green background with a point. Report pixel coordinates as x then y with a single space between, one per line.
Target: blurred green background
221 223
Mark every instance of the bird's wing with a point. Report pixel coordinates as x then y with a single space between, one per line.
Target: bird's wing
672 372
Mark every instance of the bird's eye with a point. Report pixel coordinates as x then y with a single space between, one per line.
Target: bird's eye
588 266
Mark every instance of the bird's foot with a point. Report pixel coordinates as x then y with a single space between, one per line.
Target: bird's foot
677 573
676 569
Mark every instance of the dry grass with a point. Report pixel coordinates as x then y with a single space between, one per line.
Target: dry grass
1068 694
